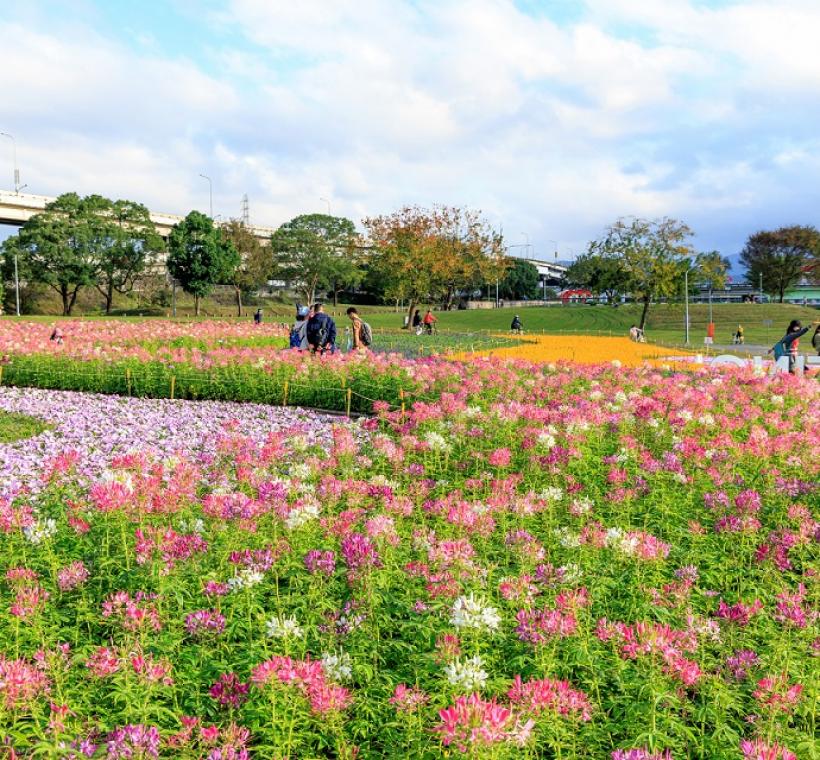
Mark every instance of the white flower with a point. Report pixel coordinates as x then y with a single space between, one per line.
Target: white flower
617 539
567 538
777 400
685 415
581 506
40 531
192 526
470 612
245 578
472 411
300 471
570 573
299 443
621 397
436 441
302 514
118 476
546 439
706 419
654 422
468 674
337 666
552 493
284 628
616 363
596 395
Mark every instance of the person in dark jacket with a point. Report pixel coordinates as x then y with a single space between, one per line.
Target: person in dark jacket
416 318
815 340
321 331
516 326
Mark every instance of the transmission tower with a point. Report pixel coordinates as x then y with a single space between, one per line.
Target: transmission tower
246 214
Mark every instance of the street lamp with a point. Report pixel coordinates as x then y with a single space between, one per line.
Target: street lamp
210 194
14 154
686 296
325 200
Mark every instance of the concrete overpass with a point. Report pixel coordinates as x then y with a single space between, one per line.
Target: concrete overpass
17 208
549 272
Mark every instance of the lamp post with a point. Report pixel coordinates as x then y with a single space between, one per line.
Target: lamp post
210 194
16 288
14 156
325 200
761 287
686 296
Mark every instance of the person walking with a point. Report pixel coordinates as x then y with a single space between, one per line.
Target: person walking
362 334
738 337
789 343
298 332
321 331
416 319
257 317
429 321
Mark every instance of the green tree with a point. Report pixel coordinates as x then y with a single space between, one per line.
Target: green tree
602 274
652 253
199 257
256 261
521 281
781 257
128 243
316 251
62 246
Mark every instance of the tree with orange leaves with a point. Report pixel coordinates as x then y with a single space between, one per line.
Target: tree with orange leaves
434 254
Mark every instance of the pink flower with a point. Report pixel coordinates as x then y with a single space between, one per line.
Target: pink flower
539 695
790 608
777 693
500 458
473 722
757 749
229 691
103 662
539 626
71 576
204 623
408 698
739 613
22 683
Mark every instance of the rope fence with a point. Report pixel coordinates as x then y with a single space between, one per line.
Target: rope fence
237 383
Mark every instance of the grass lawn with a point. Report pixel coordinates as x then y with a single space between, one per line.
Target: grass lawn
14 427
665 322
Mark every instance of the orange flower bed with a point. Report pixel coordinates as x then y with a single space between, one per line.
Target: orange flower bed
582 349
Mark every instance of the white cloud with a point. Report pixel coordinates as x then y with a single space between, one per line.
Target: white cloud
653 107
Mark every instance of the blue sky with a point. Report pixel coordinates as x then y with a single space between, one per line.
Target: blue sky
554 117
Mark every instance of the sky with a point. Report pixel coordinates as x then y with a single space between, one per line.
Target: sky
552 117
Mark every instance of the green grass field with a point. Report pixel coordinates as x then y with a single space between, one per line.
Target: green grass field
14 427
665 323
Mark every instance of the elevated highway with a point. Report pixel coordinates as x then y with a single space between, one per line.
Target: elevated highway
17 208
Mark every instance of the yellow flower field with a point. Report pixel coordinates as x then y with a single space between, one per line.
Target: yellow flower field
583 349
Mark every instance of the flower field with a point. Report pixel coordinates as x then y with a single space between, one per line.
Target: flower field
572 561
580 349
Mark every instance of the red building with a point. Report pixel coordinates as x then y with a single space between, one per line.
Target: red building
575 295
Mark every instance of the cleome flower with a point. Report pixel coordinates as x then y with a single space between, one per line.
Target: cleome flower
284 628
468 674
471 612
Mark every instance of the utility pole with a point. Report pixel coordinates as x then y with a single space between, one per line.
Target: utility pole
16 288
761 287
17 186
246 213
686 296
210 194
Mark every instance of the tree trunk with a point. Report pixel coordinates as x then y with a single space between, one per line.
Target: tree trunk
238 301
196 305
109 296
409 325
66 303
645 311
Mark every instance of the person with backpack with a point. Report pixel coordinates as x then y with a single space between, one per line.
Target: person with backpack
362 334
298 332
321 331
516 326
788 344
